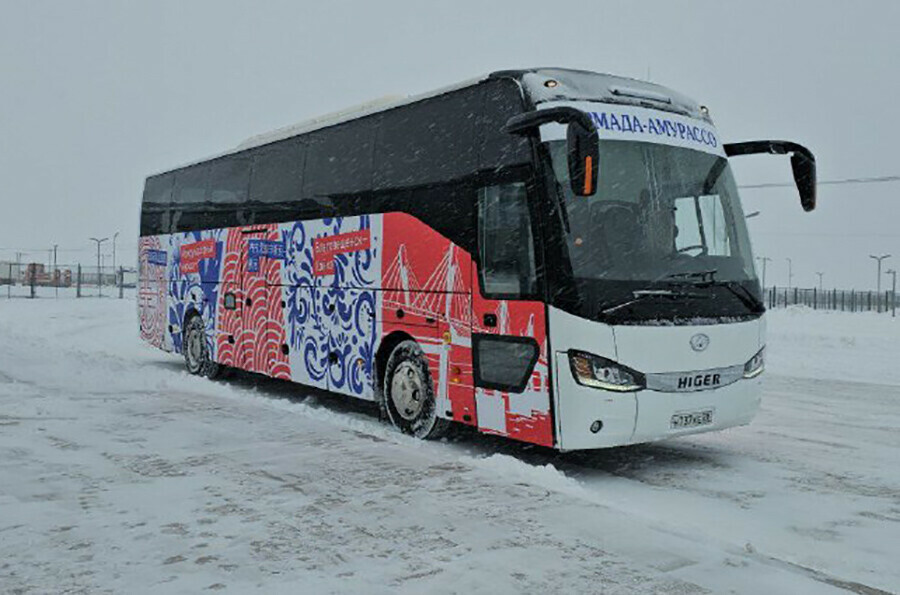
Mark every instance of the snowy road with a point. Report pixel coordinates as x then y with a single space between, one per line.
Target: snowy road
121 473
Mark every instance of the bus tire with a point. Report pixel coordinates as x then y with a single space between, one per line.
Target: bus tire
409 393
196 351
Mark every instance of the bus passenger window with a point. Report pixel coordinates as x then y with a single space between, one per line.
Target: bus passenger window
505 241
229 180
191 184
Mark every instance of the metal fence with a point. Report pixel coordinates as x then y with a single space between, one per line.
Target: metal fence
36 280
843 300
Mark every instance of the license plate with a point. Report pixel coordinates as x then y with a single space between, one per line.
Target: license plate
692 419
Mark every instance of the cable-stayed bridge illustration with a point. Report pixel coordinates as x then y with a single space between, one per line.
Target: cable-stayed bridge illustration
443 295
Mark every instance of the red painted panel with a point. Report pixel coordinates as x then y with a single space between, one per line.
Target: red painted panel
524 416
426 281
229 323
192 254
326 248
257 319
152 293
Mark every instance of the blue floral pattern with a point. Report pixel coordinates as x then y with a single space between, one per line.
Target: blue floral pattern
331 319
197 291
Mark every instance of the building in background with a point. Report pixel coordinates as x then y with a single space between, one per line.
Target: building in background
36 274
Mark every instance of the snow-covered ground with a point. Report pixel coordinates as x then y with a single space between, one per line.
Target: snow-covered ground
40 291
121 473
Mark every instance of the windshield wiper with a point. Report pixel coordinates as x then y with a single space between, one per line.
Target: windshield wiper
738 290
642 294
743 294
702 275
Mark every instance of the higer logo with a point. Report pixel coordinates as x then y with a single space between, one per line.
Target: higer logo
699 342
699 381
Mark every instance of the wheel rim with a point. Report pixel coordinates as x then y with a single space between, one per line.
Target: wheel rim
195 349
407 391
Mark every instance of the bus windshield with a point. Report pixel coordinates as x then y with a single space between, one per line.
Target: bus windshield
661 216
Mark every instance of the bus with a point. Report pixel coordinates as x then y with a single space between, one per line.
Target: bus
555 256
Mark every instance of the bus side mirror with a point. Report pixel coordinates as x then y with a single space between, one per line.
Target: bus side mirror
804 168
582 142
803 164
583 147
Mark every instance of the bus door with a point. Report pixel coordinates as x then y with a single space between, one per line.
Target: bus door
262 348
229 318
509 338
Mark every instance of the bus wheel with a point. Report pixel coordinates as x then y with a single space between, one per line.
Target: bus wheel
196 351
409 393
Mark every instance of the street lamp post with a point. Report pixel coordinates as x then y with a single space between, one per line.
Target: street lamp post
115 274
878 281
790 271
18 266
764 260
55 270
819 297
99 269
893 274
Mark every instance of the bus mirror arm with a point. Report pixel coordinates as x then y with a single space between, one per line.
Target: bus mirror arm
529 122
803 164
582 142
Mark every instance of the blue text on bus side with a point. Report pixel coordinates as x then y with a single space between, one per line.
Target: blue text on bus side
257 249
156 257
653 125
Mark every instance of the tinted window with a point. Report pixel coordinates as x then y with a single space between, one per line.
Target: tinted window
193 217
277 172
158 189
502 100
448 209
191 184
505 245
504 363
431 141
155 220
371 202
340 159
155 216
229 180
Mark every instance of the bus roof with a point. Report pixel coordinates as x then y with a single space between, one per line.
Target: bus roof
345 115
540 85
564 84
351 113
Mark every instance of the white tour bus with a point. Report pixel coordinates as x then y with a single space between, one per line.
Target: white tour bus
551 255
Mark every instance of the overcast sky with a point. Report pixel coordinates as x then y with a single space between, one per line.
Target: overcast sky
96 95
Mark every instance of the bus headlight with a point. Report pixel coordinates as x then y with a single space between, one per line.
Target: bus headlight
756 365
599 372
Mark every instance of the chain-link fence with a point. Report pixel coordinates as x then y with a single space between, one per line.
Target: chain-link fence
844 300
37 280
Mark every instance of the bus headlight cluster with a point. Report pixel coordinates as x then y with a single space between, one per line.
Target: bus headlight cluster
756 365
599 372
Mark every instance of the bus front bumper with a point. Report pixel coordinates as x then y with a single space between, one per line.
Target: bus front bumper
666 415
647 415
